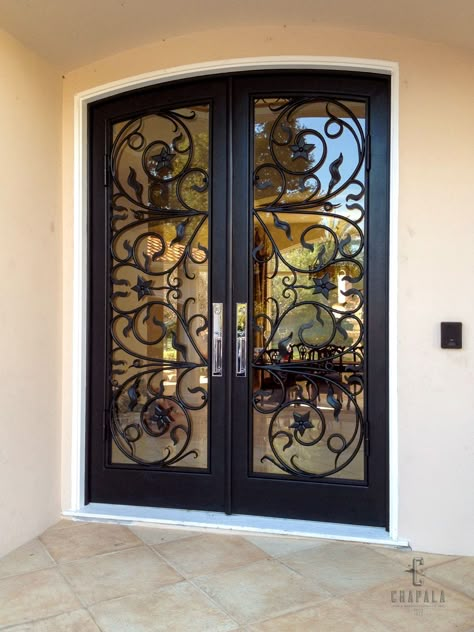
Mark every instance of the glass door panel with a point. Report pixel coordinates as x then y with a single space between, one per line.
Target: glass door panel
308 258
159 277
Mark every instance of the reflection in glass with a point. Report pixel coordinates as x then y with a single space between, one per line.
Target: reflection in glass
308 288
159 289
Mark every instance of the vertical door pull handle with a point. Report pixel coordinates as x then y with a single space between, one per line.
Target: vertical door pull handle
241 339
217 338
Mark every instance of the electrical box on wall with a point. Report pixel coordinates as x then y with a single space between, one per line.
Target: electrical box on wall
451 335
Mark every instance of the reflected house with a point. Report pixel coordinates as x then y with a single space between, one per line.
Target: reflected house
309 287
159 336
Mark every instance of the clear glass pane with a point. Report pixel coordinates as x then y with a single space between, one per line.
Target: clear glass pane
159 289
308 288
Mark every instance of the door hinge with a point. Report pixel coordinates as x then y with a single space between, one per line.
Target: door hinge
106 170
368 152
367 440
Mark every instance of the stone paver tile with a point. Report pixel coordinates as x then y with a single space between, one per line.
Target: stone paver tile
113 575
332 615
260 590
458 575
77 621
395 606
278 546
26 559
340 568
34 596
87 540
158 535
179 607
205 554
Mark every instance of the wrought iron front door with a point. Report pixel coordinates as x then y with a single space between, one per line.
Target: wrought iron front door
238 313
157 238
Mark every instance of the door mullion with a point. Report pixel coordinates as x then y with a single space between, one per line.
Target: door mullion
228 275
241 273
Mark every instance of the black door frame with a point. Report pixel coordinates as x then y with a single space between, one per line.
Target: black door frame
227 487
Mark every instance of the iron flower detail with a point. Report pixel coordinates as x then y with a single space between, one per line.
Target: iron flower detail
301 423
142 288
323 285
161 417
301 149
163 159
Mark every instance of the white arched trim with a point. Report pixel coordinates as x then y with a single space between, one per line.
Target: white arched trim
79 281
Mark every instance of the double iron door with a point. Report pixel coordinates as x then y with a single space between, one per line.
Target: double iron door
238 258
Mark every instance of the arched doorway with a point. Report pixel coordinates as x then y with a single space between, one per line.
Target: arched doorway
238 296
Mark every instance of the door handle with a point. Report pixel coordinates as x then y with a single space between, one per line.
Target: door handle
241 339
217 338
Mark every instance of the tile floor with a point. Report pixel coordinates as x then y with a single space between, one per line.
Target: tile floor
85 577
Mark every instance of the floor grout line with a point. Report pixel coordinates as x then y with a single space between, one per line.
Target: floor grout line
72 588
229 570
183 580
284 614
267 557
215 603
86 557
44 568
29 621
438 564
449 587
21 573
91 614
189 581
88 606
89 557
47 550
413 554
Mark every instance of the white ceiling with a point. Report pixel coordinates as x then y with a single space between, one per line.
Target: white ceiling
71 33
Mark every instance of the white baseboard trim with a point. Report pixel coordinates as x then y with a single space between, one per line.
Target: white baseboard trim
126 514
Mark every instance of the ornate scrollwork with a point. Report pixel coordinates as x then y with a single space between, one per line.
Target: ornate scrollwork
308 255
298 157
159 312
163 169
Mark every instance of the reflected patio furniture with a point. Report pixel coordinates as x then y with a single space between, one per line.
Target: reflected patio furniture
332 362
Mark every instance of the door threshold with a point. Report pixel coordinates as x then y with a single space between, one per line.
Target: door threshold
155 516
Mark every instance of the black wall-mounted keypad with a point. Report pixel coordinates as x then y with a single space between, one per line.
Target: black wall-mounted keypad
451 335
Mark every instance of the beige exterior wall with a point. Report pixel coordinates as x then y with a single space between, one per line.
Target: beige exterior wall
30 315
434 256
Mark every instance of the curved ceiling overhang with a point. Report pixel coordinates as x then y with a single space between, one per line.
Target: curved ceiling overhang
70 34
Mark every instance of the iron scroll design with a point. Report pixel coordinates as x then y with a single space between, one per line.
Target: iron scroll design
308 217
158 291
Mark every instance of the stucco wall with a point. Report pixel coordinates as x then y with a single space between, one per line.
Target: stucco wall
30 313
434 260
